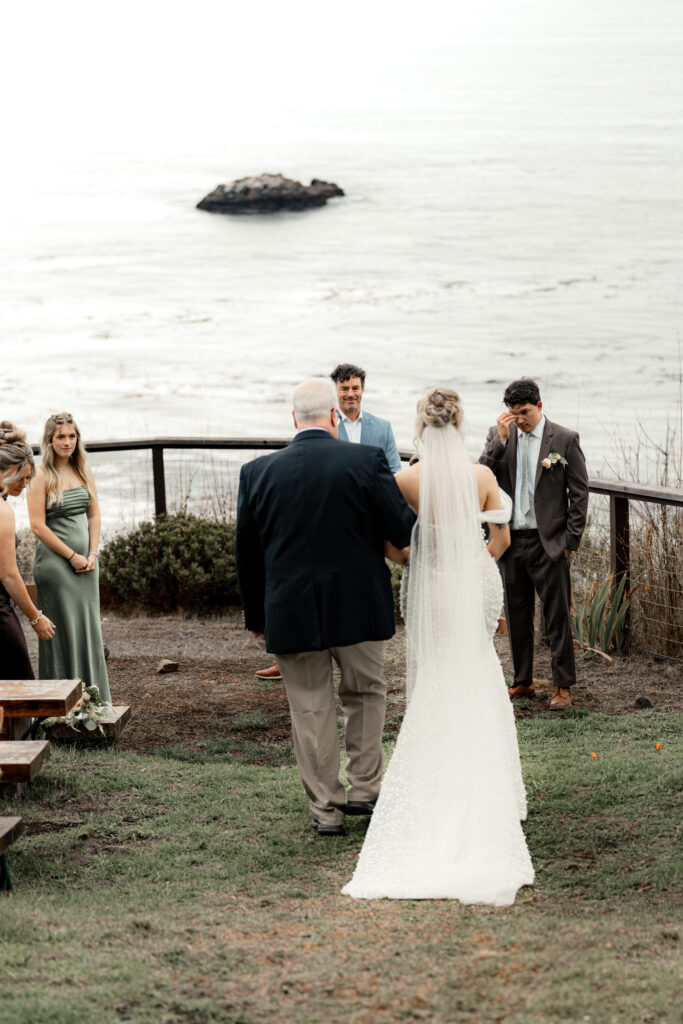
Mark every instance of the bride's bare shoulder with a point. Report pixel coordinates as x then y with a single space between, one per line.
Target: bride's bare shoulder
485 477
408 481
487 487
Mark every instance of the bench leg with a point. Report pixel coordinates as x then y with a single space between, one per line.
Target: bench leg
13 790
19 727
5 880
34 725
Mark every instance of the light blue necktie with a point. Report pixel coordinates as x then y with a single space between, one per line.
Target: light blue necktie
525 499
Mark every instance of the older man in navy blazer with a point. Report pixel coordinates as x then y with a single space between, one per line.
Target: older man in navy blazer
357 425
311 524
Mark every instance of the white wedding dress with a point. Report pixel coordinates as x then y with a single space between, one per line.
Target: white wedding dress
447 821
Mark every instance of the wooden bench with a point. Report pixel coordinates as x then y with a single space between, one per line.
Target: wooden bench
23 699
21 760
10 830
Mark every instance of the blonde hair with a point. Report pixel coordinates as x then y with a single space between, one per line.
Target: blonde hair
54 487
15 454
440 407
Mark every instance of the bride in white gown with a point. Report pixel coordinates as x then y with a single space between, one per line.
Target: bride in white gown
447 821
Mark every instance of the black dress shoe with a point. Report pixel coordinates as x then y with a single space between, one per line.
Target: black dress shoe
359 806
328 830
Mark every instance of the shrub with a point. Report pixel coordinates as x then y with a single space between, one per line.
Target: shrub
657 564
598 620
175 561
657 539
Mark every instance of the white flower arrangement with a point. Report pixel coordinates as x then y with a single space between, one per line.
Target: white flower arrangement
552 459
86 714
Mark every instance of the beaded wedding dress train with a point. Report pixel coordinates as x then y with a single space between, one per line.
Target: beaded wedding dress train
447 821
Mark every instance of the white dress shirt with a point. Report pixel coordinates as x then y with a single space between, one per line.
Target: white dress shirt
519 520
353 427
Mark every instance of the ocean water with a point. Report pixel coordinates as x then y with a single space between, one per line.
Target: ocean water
514 206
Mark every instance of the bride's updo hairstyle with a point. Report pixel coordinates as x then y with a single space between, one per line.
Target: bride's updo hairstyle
54 488
15 454
440 407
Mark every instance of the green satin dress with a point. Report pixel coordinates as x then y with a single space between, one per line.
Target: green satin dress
70 599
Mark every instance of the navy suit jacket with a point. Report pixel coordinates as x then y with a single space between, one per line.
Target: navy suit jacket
375 430
311 525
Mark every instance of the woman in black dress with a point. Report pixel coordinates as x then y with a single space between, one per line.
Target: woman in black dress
16 469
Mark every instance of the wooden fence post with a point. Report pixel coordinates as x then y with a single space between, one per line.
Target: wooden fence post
159 480
620 553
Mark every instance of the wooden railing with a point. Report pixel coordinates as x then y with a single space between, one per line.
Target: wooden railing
157 446
620 492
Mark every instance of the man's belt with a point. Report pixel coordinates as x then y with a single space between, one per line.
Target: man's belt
525 533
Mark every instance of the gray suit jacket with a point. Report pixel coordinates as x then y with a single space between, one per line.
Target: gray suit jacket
560 493
375 430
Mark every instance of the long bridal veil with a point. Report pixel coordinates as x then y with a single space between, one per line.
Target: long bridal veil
447 822
445 593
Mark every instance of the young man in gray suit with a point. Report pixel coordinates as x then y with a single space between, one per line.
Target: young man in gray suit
541 466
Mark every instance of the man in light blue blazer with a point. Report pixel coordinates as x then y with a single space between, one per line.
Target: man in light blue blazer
356 425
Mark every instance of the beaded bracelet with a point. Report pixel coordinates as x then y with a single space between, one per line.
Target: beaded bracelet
38 616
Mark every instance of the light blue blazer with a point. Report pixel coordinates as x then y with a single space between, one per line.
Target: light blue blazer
377 431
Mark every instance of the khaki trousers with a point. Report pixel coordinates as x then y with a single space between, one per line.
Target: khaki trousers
362 693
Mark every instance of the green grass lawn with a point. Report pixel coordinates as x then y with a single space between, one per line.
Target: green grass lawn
163 889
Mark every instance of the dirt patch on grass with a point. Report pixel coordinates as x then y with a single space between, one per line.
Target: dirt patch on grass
215 703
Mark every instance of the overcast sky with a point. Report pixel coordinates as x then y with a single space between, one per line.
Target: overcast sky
122 69
82 73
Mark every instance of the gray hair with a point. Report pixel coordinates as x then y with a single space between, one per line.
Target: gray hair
314 399
15 454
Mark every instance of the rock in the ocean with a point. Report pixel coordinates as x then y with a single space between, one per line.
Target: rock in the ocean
268 193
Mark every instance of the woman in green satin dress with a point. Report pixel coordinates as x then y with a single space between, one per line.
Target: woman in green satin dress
65 517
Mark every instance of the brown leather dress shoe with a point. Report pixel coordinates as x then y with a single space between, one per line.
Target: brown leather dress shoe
560 699
269 673
521 691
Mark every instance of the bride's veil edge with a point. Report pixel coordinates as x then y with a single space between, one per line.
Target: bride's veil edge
445 595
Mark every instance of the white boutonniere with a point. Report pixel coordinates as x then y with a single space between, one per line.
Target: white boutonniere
552 459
